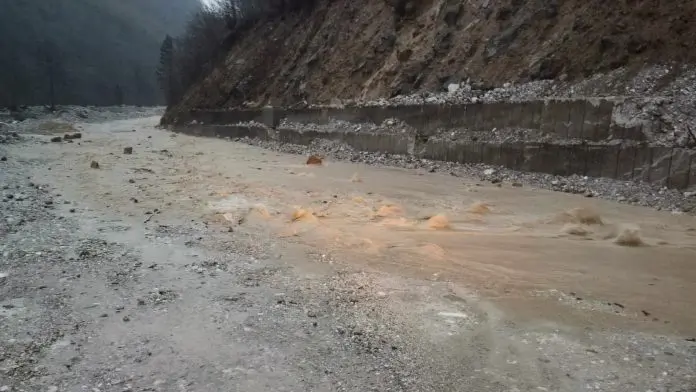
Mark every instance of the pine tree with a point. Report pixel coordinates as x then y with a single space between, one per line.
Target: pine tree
165 70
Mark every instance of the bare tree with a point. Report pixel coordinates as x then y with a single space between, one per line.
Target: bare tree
50 60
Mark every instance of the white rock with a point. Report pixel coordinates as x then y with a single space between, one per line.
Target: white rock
453 87
489 172
453 314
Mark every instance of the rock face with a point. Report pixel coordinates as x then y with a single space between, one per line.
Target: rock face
363 49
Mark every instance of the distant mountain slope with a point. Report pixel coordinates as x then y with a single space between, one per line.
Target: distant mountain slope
102 47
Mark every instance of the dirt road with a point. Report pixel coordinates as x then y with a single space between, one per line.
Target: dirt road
199 264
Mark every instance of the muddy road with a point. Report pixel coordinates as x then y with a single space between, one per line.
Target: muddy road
196 264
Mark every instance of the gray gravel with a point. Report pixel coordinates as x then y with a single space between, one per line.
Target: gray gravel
95 297
661 94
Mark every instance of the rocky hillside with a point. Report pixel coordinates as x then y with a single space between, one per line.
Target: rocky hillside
367 49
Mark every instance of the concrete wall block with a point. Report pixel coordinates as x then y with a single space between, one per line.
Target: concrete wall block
627 133
513 117
268 117
519 115
490 153
625 163
395 144
489 117
681 168
410 115
472 153
510 115
513 156
531 115
536 157
575 159
430 119
661 165
598 119
471 116
594 161
692 172
548 118
610 161
561 112
435 150
391 144
446 116
642 163
458 116
576 119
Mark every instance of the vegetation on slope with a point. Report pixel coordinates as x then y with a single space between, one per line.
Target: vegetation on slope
367 49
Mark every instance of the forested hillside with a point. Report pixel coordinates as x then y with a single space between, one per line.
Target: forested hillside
97 52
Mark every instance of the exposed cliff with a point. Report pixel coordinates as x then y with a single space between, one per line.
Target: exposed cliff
365 49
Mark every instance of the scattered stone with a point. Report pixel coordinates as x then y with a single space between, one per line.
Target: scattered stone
71 136
72 210
314 160
132 181
56 139
517 184
126 319
94 165
3 159
128 150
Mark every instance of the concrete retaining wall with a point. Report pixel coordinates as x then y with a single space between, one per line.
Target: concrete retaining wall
586 119
672 167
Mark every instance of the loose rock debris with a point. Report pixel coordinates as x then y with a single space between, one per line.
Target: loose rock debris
315 160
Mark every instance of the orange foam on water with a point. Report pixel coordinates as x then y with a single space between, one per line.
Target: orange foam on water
479 207
439 222
389 210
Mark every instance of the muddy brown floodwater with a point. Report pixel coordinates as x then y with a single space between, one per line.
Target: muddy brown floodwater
485 287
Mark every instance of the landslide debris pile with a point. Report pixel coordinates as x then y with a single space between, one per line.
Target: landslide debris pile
367 50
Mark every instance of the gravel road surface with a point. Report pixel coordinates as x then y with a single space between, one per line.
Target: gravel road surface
193 264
